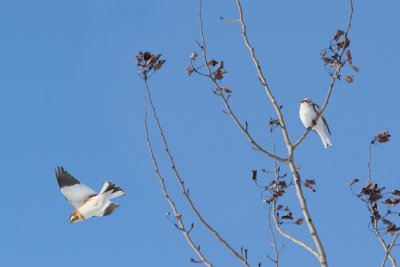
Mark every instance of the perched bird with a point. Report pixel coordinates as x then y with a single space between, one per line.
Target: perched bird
84 199
308 113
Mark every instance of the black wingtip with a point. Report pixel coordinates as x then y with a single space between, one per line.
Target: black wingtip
64 178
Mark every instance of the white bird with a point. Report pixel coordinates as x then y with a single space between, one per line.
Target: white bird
85 199
308 113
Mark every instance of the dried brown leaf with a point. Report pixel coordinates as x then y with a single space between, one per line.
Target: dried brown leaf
308 183
384 136
189 70
282 184
396 192
288 216
299 221
147 55
348 56
279 207
254 175
374 197
227 90
388 202
335 56
221 65
218 75
153 59
349 79
387 222
356 69
392 229
159 64
212 62
327 60
337 35
344 44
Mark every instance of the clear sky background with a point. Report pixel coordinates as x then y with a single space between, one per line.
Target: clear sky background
70 96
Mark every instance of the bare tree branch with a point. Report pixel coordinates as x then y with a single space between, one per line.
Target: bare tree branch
296 177
372 195
369 161
177 215
387 248
289 237
335 76
273 242
262 77
184 189
274 208
230 112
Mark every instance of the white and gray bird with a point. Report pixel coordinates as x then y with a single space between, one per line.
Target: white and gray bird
308 113
86 201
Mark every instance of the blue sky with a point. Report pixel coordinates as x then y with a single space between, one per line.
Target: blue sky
70 96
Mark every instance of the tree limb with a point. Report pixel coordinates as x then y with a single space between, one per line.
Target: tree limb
183 187
334 78
177 215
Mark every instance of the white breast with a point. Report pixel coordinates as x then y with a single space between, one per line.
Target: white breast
307 114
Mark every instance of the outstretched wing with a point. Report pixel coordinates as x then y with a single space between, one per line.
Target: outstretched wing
317 109
74 191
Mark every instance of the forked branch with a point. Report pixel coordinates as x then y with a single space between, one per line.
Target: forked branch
335 76
321 255
382 212
219 92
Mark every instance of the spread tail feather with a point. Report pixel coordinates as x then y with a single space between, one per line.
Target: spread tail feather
112 190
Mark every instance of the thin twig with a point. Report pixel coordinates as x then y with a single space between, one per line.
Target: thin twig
385 247
369 161
375 227
177 215
273 243
334 78
289 237
321 255
183 187
274 210
389 248
276 172
225 100
262 77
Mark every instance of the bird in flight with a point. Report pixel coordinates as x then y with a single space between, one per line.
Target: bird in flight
86 201
308 113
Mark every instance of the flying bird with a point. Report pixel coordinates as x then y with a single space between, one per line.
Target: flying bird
86 201
308 113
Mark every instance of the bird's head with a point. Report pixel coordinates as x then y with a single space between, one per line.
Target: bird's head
76 216
306 100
